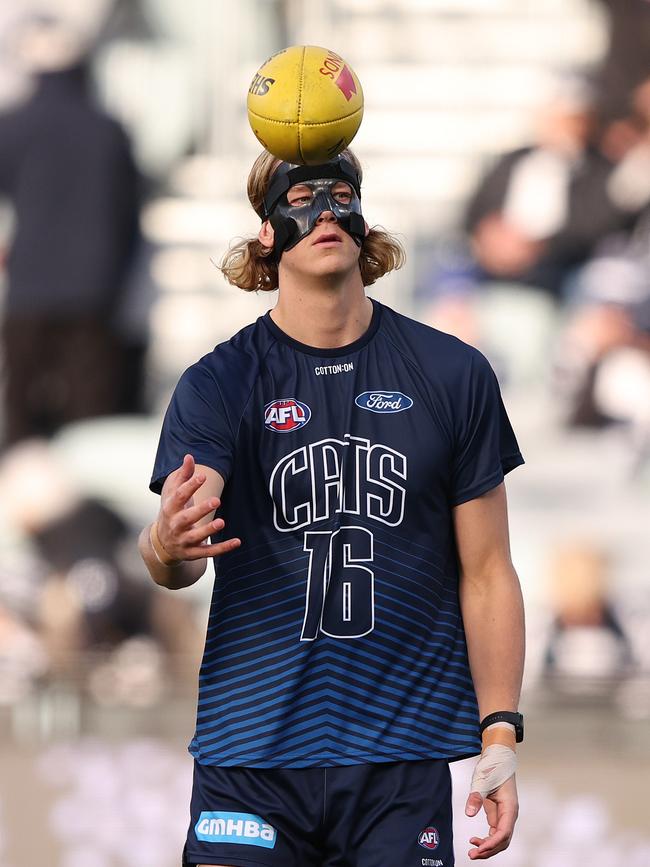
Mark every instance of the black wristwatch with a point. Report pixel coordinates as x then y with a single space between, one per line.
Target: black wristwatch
516 719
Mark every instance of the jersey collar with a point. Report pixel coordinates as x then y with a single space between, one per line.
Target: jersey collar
335 352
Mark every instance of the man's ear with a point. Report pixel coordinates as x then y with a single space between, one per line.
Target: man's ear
266 234
367 228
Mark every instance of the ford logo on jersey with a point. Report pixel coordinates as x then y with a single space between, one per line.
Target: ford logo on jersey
286 415
384 401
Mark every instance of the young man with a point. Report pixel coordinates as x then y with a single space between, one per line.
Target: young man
366 614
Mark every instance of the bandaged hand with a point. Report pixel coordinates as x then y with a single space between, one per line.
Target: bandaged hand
497 764
494 788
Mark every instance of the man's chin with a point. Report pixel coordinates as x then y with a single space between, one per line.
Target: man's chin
324 264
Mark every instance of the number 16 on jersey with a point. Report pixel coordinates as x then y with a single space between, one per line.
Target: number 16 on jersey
340 597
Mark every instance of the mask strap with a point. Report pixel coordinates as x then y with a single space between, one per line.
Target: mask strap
284 231
357 227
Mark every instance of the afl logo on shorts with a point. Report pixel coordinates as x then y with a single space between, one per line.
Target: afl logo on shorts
384 401
284 416
429 838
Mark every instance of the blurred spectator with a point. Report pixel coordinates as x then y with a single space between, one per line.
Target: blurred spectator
540 211
68 171
446 288
587 640
627 60
627 141
23 658
90 615
602 360
81 550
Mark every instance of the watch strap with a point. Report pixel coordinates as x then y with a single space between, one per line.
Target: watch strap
512 717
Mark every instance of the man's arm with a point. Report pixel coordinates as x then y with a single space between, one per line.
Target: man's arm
184 528
493 615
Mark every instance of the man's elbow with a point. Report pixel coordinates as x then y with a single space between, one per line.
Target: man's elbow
488 576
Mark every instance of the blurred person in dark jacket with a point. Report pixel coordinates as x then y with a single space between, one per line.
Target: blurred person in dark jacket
627 58
601 363
627 140
68 171
540 211
79 607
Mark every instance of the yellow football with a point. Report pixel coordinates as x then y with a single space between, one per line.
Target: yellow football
305 104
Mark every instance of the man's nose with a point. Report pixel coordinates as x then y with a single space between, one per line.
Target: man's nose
323 201
326 217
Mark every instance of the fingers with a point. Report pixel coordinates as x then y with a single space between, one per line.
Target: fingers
474 803
182 473
184 539
187 489
199 535
198 551
192 514
186 469
498 838
179 530
491 812
192 544
502 809
486 847
182 493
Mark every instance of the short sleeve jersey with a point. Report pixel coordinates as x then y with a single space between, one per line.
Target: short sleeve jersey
335 633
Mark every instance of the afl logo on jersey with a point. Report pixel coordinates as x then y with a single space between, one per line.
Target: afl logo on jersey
384 401
284 416
429 838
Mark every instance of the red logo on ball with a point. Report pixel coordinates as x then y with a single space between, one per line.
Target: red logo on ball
429 838
283 416
346 84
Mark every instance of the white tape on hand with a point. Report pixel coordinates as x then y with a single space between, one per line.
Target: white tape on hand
497 764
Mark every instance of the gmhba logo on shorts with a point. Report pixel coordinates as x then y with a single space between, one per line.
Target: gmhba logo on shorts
242 828
384 401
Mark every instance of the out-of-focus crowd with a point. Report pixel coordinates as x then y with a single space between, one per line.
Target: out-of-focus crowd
75 606
561 227
566 218
563 222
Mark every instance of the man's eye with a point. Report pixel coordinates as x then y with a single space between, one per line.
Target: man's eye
343 196
300 200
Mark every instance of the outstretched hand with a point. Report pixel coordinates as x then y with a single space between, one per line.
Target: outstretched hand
182 528
501 808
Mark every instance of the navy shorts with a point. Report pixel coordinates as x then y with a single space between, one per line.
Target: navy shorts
396 814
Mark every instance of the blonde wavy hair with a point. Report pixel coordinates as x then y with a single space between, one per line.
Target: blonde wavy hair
250 265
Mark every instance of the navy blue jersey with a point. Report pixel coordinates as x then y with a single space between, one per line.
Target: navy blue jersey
335 635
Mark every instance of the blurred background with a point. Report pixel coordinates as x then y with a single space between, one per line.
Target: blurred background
507 143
